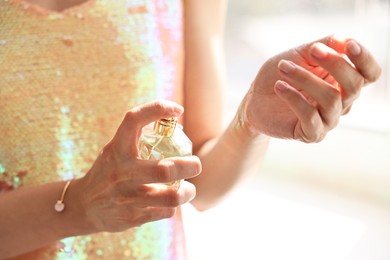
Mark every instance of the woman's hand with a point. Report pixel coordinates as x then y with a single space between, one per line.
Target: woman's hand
120 190
301 93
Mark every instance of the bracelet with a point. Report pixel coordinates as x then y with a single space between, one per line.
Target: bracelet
60 206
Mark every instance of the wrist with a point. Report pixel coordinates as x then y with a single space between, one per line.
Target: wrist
74 211
242 127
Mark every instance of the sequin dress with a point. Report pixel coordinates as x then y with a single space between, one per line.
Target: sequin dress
66 80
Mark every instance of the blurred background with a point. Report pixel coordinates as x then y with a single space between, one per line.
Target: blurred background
308 201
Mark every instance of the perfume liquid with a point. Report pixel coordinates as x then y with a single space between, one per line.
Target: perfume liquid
165 138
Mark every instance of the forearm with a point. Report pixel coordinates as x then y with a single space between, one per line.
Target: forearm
28 220
226 158
226 161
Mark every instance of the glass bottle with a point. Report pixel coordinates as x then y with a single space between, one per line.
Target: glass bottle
165 138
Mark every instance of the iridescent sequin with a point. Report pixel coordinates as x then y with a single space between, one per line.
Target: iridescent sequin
66 80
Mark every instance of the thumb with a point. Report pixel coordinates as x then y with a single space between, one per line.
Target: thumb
129 130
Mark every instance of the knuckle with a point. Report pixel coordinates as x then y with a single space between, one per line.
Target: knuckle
346 110
333 100
130 114
353 92
143 191
166 171
313 118
339 63
377 74
352 96
315 137
333 95
111 154
142 219
358 82
159 106
316 133
330 120
173 199
320 137
107 152
169 213
332 124
374 76
302 79
112 163
309 138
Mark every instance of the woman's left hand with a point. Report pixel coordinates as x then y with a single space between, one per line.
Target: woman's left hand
300 94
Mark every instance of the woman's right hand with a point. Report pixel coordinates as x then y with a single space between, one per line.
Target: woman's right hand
120 191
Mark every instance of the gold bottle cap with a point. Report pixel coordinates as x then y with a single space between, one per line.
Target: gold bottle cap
165 126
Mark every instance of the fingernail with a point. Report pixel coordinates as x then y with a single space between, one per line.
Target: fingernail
286 66
281 86
319 51
353 48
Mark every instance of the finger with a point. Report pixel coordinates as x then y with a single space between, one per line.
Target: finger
161 171
335 41
309 126
359 56
363 61
159 213
129 130
350 80
169 196
139 216
326 97
170 169
159 195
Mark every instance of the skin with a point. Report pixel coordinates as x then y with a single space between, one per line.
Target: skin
299 94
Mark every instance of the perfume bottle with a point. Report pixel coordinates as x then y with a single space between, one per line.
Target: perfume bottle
165 138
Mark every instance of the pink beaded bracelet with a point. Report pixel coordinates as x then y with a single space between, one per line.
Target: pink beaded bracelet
60 206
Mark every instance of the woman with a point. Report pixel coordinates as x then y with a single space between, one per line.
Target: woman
71 69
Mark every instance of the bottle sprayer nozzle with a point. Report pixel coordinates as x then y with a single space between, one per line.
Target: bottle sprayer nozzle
165 126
